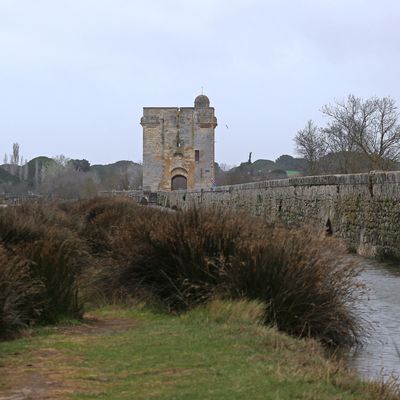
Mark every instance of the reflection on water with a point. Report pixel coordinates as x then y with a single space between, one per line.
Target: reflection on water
380 356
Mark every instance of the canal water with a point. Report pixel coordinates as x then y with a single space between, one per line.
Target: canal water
379 357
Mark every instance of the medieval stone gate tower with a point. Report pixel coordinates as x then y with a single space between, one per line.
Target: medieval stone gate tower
178 146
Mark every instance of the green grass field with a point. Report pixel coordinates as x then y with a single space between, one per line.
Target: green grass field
217 352
290 173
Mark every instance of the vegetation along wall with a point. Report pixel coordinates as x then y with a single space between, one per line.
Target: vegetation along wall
363 209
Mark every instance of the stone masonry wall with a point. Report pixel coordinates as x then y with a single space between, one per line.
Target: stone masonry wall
364 209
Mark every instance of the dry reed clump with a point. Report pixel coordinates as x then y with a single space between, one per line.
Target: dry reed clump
307 282
98 218
15 227
188 258
19 292
180 260
41 261
58 259
175 256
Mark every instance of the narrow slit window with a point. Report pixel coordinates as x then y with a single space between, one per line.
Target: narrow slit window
197 155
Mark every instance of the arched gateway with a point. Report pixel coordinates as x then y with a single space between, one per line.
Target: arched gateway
178 182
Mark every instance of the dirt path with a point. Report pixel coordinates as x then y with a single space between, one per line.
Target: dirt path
43 374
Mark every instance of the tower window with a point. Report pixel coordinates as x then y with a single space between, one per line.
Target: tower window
197 155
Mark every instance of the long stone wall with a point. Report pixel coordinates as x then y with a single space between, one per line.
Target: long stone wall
363 209
8 199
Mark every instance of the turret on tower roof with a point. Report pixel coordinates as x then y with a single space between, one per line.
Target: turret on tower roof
201 101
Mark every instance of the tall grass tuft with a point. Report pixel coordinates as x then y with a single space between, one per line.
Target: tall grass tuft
19 292
307 282
98 218
40 263
185 259
57 261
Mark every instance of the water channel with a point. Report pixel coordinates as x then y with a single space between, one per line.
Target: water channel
380 355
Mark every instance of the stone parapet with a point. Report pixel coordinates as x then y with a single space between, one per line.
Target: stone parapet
363 209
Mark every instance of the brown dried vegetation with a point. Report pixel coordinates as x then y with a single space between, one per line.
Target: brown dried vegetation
111 248
306 281
40 260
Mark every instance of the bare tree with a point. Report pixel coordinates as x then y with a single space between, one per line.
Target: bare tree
226 167
367 126
61 160
26 170
68 183
342 145
15 154
36 173
311 144
20 170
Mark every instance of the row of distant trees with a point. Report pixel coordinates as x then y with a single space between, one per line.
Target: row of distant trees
62 177
360 135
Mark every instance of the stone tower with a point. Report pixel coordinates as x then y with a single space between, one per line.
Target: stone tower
178 146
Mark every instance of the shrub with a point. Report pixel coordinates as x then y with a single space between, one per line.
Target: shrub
174 255
17 228
186 259
308 283
18 294
40 266
99 217
305 282
57 261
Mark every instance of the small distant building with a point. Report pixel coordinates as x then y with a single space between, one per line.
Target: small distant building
178 146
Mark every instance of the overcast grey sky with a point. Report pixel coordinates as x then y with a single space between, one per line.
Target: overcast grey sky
75 74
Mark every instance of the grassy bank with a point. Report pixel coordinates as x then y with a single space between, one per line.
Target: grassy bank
224 284
218 351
